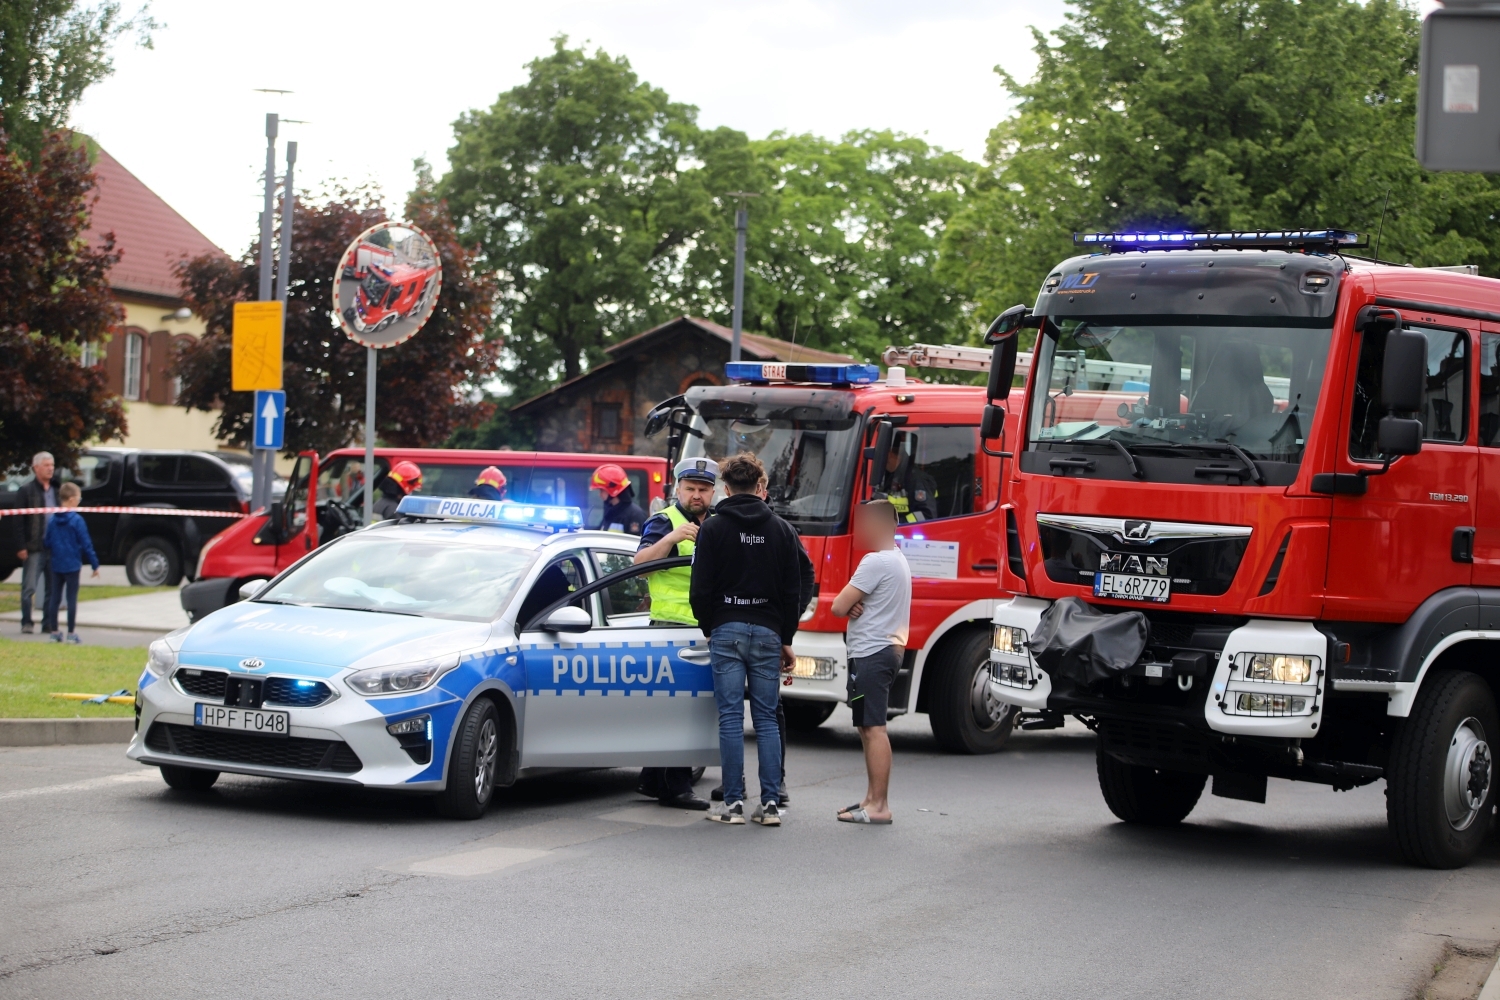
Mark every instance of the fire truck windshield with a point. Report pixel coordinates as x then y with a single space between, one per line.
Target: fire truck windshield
1243 392
807 446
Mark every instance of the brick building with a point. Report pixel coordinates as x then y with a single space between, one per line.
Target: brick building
604 409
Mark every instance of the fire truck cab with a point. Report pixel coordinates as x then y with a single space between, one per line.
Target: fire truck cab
831 436
1257 499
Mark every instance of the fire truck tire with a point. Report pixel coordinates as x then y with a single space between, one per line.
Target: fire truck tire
1144 795
964 716
1440 783
803 716
153 562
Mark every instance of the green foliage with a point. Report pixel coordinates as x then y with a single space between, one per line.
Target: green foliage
51 51
1214 113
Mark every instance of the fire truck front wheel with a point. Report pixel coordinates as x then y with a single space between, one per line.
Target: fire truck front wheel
1144 795
1440 783
803 715
965 716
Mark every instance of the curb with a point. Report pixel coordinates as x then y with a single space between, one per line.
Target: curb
54 732
1491 989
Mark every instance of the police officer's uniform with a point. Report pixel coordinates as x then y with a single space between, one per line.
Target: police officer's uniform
673 786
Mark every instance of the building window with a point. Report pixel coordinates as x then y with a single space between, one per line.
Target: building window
133 350
606 421
90 356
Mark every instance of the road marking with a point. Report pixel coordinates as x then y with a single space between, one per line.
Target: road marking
654 815
481 862
87 785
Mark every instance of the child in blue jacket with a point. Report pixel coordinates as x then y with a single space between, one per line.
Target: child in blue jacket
67 541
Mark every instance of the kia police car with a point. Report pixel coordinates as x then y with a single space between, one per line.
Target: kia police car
455 649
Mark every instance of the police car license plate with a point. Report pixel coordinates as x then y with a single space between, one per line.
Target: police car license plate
242 720
1128 587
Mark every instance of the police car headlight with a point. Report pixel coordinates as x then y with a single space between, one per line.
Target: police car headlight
161 658
401 679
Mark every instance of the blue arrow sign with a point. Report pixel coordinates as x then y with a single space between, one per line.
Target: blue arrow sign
270 418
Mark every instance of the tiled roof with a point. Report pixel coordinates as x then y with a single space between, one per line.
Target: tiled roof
149 234
753 346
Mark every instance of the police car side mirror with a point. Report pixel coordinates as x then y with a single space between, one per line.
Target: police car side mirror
568 619
252 587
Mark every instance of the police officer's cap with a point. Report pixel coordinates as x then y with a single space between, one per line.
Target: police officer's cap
702 469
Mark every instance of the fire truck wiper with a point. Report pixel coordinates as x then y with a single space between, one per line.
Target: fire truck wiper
1125 452
1234 449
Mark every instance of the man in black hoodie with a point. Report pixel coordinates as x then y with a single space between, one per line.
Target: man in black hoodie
744 592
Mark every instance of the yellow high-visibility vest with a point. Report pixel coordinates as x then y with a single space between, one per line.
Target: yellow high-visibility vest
669 587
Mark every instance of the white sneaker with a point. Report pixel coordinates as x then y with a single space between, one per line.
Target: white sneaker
733 813
767 815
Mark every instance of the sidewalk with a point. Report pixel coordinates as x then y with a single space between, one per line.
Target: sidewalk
157 612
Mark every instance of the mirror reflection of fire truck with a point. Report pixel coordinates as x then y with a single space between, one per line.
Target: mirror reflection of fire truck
833 435
1255 526
390 286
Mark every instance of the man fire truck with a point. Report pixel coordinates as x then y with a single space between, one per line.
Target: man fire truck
1257 501
833 435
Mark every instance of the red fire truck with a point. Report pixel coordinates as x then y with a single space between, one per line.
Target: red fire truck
832 435
1258 525
264 544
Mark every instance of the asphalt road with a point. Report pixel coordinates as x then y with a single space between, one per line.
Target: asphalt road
1003 876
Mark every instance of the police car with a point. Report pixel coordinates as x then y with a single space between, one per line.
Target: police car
452 650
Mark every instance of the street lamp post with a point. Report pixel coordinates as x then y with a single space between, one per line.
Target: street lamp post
741 224
261 461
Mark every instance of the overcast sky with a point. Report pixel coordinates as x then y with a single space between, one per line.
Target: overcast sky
381 82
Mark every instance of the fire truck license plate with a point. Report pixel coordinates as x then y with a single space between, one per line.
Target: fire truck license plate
1132 588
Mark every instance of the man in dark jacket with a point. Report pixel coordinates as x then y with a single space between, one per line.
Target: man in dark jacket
744 594
40 492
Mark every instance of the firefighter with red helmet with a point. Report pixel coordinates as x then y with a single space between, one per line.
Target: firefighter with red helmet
403 479
621 513
490 485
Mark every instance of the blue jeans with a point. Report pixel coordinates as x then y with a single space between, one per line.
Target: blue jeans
58 585
36 575
740 652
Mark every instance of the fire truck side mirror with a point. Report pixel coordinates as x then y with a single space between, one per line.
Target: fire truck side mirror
992 423
884 432
1399 436
1002 368
1404 374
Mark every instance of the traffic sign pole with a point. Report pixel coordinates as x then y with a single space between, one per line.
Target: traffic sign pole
369 435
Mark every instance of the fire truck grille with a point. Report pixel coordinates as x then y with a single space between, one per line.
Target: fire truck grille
1203 566
1154 745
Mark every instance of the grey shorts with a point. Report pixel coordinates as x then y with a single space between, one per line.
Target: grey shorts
870 680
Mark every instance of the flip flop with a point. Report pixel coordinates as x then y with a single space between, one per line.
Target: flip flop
850 809
858 815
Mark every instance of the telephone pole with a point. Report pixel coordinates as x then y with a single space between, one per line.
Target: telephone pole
741 224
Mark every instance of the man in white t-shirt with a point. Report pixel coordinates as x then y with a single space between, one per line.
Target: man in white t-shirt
877 602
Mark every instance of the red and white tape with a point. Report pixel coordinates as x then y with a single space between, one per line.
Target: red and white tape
168 511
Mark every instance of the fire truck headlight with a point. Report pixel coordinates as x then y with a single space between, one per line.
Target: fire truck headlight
1280 668
1010 640
1272 704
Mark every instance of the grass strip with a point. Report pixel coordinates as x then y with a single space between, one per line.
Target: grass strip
31 671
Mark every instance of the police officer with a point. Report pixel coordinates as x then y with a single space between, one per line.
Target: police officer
490 485
672 532
911 491
621 513
404 479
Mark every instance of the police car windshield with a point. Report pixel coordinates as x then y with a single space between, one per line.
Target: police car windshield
462 577
1160 389
809 462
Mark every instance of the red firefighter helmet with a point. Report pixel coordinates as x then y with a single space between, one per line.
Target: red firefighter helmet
407 476
611 479
491 476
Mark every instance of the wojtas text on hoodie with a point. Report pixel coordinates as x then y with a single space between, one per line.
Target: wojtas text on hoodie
745 568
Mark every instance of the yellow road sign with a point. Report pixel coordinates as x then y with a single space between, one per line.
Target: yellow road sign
257 346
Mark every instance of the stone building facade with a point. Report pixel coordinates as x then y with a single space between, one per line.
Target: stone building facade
604 409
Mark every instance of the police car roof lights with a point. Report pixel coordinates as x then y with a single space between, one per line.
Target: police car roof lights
762 372
1324 240
507 512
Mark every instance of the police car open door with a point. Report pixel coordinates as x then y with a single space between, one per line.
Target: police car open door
623 693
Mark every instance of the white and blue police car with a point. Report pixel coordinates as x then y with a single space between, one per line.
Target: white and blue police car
459 647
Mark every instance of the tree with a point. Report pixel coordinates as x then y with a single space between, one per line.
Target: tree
580 190
844 242
54 299
426 388
51 51
1226 114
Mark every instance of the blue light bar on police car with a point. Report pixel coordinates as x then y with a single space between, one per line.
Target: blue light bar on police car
1265 239
756 371
510 512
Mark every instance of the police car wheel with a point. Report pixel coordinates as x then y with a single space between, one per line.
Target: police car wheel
698 774
188 779
473 763
1440 783
965 716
